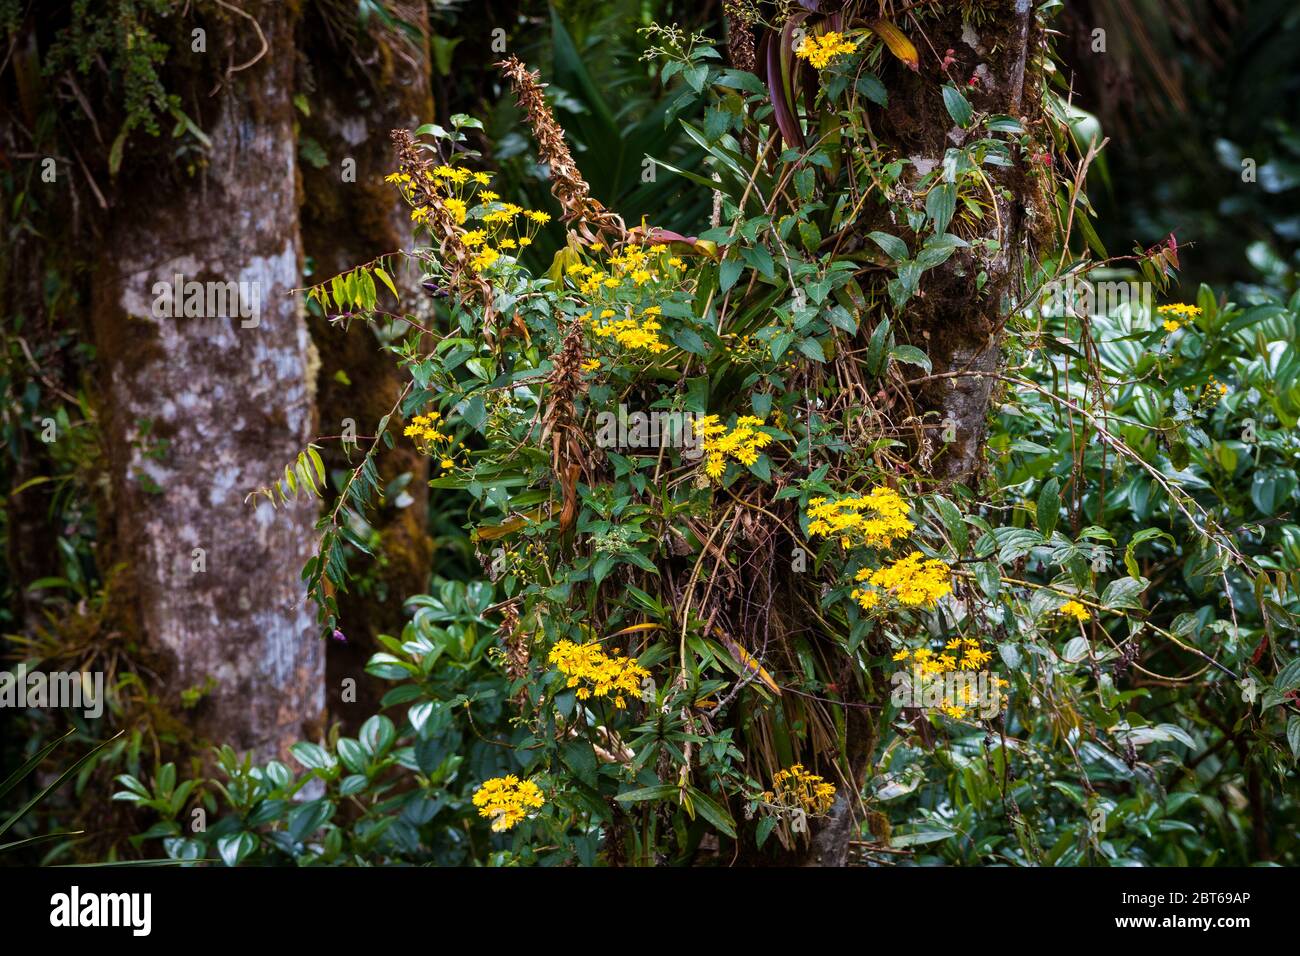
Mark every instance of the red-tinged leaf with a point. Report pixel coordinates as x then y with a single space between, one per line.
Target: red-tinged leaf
780 92
675 241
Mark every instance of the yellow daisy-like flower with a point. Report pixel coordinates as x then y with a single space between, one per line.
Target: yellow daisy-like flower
456 207
797 788
484 259
507 800
819 50
1180 310
1075 610
875 520
597 674
912 581
632 334
741 443
955 697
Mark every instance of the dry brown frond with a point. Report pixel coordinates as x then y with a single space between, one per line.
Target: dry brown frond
515 645
740 36
559 421
593 223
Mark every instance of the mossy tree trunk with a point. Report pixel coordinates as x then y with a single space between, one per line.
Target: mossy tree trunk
201 407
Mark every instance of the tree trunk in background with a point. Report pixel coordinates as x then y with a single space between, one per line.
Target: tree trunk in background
201 410
344 224
956 324
960 325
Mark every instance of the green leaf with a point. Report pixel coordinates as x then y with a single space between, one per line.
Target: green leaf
713 812
871 87
312 756
953 523
893 247
940 204
1146 534
58 782
1123 593
920 834
236 847
876 347
377 735
308 818
1288 678
689 340
1049 506
912 356
760 260
958 106
811 348
780 343
352 754
661 792
728 272
1015 543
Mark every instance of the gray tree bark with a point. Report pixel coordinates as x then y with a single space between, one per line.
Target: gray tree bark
202 409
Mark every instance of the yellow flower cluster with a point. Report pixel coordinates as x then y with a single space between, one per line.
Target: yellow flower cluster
820 50
425 430
796 788
506 226
912 581
506 801
1178 314
875 520
960 654
630 333
597 674
719 443
1075 610
631 269
622 291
